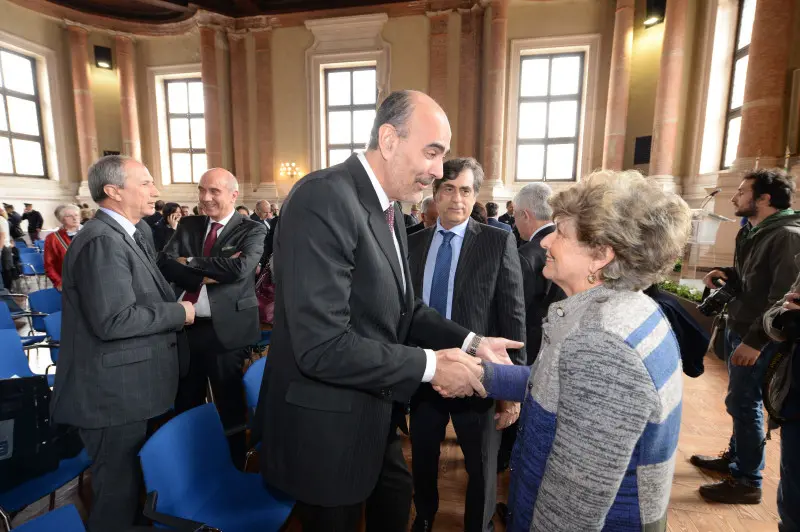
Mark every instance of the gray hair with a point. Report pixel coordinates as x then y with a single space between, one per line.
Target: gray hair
453 168
65 207
423 207
395 110
535 198
108 170
646 226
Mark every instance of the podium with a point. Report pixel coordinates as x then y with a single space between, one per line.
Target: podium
705 225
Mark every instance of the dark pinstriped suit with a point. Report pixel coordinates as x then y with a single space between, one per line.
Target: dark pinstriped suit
487 299
340 355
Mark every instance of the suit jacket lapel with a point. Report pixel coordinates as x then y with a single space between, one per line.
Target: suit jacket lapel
227 231
466 256
166 291
376 217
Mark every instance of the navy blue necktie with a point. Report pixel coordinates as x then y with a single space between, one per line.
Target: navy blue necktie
441 274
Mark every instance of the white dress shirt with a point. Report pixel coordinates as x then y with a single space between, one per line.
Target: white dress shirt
202 309
430 263
549 224
126 224
430 366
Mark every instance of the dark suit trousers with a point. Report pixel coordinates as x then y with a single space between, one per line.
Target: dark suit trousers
387 508
210 362
116 474
474 424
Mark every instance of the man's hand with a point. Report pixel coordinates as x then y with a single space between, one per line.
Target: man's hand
507 413
789 301
744 355
457 374
209 280
58 288
189 308
714 274
496 350
182 260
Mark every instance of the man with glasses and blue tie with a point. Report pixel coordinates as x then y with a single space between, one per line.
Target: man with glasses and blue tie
469 273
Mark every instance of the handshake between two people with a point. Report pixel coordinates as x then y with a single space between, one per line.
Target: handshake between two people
459 374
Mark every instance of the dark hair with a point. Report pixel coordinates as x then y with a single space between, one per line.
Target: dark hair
509 203
243 207
395 110
159 205
184 206
169 209
479 213
195 210
492 209
453 168
775 182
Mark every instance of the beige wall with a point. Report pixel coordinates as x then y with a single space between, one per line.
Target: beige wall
105 96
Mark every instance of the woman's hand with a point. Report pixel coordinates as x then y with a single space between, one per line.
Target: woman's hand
507 414
173 219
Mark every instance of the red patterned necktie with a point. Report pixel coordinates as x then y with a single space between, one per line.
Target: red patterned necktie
192 297
390 217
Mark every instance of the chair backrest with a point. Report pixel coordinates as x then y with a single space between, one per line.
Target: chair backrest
52 326
39 245
184 456
252 382
47 300
64 519
32 263
20 244
12 358
6 321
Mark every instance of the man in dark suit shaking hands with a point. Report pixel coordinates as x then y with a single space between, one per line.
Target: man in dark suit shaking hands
211 259
119 362
341 362
469 272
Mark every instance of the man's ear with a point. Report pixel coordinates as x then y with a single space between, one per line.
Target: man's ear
387 140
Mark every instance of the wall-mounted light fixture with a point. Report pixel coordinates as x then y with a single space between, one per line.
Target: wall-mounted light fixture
289 170
102 57
654 14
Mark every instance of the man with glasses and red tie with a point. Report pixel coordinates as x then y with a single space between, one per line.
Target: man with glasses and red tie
211 260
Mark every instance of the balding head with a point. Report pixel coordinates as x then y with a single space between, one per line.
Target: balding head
263 209
218 190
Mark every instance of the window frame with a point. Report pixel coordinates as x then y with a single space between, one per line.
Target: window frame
188 115
36 99
732 114
351 108
548 99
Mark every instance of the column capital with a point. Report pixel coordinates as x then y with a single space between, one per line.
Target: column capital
77 28
237 35
439 21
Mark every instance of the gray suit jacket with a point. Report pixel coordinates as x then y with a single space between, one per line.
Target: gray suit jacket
234 307
119 360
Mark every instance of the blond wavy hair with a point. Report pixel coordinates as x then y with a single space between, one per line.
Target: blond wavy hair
646 226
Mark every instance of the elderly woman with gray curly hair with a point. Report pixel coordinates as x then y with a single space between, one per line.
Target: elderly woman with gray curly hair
601 406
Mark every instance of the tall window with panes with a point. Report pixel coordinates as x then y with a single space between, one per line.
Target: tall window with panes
741 57
186 126
21 138
549 116
350 100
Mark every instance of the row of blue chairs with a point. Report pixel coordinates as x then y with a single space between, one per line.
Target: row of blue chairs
21 244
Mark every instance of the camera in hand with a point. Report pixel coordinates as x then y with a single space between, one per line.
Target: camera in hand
716 301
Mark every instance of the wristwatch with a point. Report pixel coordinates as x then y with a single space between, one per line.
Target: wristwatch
472 348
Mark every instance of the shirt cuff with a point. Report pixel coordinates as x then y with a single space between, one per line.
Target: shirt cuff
467 341
430 366
189 259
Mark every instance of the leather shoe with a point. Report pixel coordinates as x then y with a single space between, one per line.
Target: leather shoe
502 512
713 463
422 525
731 491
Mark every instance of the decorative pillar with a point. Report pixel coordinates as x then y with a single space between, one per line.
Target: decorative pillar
240 106
469 80
208 74
266 131
494 102
437 73
668 96
129 115
619 86
763 120
84 106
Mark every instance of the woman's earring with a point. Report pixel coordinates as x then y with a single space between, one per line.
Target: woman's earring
592 278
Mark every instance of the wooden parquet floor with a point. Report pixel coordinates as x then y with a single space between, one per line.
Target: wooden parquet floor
705 429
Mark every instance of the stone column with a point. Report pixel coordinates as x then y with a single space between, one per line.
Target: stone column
763 120
129 115
469 81
494 102
208 74
437 73
619 86
266 131
668 96
84 106
240 112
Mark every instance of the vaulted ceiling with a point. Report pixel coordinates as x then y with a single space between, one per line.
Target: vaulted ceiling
175 10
